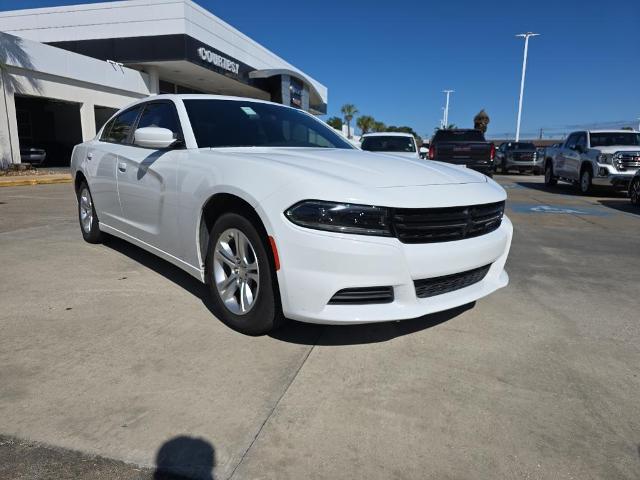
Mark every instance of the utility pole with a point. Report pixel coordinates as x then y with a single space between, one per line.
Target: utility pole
540 137
446 108
526 37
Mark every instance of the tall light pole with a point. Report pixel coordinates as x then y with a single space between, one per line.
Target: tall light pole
446 108
524 71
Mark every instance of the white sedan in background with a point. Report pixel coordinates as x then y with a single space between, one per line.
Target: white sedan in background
283 218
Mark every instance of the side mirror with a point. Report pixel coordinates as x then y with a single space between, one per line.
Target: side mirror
153 137
424 150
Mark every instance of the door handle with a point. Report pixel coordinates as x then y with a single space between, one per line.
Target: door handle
122 166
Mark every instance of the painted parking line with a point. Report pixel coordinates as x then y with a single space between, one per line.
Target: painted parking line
546 209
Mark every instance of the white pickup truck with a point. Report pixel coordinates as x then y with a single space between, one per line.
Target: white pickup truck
595 157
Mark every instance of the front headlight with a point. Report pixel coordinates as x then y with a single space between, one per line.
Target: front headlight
604 158
341 217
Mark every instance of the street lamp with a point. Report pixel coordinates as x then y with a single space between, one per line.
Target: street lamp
524 71
446 108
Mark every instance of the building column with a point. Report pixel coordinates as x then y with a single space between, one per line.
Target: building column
286 92
154 80
9 143
305 97
88 121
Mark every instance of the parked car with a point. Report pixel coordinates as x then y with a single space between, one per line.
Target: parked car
283 218
634 189
397 143
463 147
32 155
597 157
521 156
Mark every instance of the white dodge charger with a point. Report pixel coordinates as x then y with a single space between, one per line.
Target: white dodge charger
283 218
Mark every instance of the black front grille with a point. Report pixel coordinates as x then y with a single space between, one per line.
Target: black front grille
362 296
522 157
428 225
430 287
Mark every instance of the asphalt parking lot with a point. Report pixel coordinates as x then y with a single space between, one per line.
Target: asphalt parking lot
107 351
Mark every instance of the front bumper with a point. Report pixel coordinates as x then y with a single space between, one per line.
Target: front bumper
607 178
525 165
315 265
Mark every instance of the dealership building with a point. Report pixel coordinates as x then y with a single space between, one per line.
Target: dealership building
66 70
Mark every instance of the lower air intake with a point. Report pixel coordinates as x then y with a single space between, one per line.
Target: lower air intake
362 296
430 287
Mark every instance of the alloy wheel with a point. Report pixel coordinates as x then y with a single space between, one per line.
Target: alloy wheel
235 271
86 210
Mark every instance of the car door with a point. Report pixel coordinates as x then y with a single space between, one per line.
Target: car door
147 178
573 156
561 157
101 161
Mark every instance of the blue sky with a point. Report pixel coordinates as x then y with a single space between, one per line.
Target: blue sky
393 59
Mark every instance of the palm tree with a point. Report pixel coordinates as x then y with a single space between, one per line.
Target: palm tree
348 111
379 127
365 123
335 122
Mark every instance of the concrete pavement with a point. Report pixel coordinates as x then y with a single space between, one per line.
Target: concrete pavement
108 351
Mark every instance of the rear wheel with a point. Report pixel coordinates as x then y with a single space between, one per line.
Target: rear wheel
549 179
87 217
634 191
585 181
241 276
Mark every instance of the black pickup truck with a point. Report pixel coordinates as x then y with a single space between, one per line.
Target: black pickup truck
463 147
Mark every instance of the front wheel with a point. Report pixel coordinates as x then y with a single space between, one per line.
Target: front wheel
585 181
549 179
634 191
89 225
241 276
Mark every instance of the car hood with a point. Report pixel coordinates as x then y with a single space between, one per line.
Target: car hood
618 148
359 167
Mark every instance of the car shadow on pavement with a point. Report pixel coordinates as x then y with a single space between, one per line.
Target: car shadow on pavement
292 331
338 335
622 205
183 458
566 189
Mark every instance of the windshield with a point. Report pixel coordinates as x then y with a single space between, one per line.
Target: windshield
458 136
521 146
233 123
391 143
608 139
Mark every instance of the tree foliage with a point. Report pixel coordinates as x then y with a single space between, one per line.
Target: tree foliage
365 123
335 122
348 111
481 121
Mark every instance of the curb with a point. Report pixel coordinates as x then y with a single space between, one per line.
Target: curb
34 180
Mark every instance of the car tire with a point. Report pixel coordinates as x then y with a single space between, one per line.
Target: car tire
584 184
240 271
89 224
549 179
634 191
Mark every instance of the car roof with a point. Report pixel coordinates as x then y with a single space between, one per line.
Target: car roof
203 96
387 134
613 131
